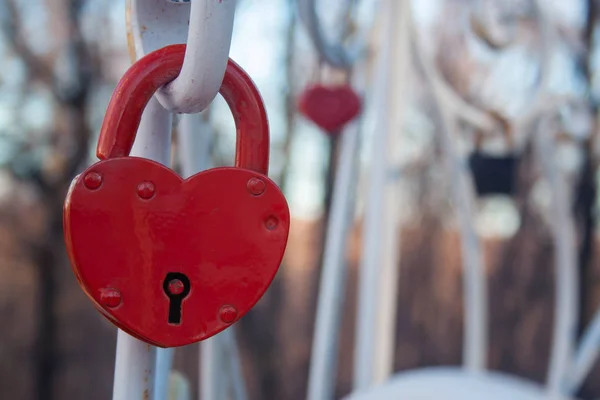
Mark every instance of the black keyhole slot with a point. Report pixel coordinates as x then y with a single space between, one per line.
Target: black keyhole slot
176 286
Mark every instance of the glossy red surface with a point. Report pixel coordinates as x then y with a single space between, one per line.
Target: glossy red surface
330 108
140 238
209 227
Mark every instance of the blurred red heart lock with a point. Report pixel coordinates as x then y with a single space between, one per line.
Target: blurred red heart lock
330 108
173 261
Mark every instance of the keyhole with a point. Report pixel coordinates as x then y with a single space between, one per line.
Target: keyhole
177 287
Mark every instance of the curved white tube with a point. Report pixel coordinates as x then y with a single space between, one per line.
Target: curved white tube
565 306
585 357
540 96
219 358
234 364
479 118
164 363
321 381
563 231
384 352
336 55
475 288
371 260
475 342
153 24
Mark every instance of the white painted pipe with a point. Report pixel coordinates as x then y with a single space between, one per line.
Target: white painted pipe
321 381
220 365
585 357
164 363
334 54
565 262
135 361
474 278
234 364
371 258
205 25
385 344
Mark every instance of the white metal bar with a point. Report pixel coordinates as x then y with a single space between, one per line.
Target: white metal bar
563 231
233 359
135 362
539 102
321 381
219 359
333 54
134 368
206 26
383 360
164 363
211 369
475 288
475 342
195 137
371 260
195 141
585 357
474 278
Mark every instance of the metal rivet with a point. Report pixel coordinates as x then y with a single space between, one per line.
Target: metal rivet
146 190
110 297
256 186
92 180
176 287
271 223
228 314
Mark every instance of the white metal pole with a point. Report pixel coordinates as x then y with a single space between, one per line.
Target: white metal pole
195 136
371 259
565 262
586 356
383 362
194 145
219 359
164 363
212 370
321 381
232 356
474 278
135 361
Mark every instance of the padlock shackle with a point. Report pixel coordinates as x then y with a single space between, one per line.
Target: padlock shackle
156 69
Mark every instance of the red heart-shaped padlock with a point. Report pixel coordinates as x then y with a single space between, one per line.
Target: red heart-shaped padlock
330 107
168 260
132 222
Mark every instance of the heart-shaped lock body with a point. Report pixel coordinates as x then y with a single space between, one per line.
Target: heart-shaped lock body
168 260
330 108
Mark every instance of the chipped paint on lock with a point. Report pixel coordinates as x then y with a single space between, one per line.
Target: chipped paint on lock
221 233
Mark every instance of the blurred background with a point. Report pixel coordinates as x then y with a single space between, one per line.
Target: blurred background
60 61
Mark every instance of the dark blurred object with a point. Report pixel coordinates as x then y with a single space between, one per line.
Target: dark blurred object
494 174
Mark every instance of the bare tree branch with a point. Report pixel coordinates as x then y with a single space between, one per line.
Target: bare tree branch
37 66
